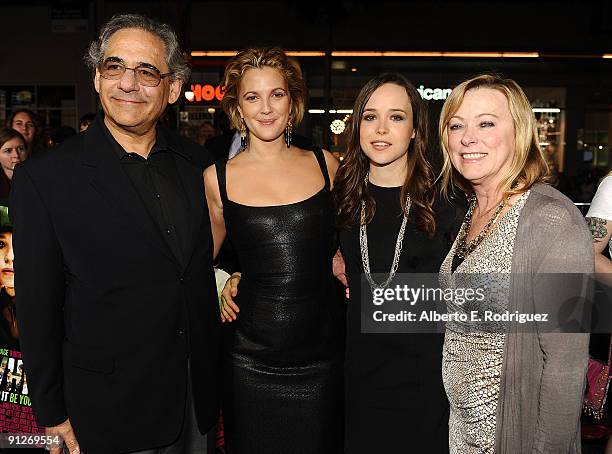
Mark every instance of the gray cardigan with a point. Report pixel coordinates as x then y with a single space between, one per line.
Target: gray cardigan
543 374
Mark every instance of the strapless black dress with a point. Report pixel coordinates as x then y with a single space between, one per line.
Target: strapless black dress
283 356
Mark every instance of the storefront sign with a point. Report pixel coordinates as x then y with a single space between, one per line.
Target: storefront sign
433 93
206 92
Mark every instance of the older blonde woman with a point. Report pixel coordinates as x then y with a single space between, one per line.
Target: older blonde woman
510 391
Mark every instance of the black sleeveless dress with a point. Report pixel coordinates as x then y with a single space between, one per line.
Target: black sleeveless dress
283 355
395 398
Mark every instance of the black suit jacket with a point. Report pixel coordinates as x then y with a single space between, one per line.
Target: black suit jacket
100 296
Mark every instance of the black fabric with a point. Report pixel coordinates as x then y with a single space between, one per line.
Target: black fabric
102 298
157 182
219 146
190 439
5 185
283 355
395 399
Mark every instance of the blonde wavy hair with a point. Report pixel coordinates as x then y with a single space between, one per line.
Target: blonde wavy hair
261 57
528 165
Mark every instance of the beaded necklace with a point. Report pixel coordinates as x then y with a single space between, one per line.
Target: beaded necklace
363 246
465 248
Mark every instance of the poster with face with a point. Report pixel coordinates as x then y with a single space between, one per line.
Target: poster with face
15 406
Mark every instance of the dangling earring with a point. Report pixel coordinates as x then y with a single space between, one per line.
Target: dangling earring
244 140
288 134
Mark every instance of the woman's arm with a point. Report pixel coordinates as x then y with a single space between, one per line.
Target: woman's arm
601 230
215 208
599 219
217 223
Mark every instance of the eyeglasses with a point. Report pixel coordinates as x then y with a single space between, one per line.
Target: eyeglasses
145 75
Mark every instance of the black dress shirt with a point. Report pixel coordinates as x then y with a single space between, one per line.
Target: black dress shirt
157 181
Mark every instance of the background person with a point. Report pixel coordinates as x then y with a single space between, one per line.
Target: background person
385 195
599 220
12 151
509 391
86 121
9 331
205 131
25 122
59 135
283 358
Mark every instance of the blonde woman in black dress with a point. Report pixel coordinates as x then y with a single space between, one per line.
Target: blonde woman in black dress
283 357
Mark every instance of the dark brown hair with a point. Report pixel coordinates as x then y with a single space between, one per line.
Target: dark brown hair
350 187
29 113
7 134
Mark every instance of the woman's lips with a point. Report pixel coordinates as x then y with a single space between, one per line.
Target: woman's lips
266 122
380 145
472 157
8 270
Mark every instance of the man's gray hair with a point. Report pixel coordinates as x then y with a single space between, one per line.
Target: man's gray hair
174 56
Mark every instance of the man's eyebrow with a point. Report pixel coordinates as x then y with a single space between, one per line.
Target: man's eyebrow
115 59
148 65
138 64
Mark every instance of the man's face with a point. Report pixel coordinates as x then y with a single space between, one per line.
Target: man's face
128 104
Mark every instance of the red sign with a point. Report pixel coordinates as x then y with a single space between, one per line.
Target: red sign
206 92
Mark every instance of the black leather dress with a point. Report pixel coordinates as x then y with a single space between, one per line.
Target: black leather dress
283 355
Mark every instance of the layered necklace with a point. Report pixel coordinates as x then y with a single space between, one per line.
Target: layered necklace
363 244
464 247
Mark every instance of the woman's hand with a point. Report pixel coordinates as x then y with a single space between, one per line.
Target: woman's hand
339 270
229 308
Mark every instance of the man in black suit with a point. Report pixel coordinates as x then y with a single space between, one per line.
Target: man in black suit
118 312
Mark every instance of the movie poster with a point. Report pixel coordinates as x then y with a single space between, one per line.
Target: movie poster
15 406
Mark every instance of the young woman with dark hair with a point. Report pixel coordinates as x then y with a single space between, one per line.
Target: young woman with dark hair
13 150
26 123
391 222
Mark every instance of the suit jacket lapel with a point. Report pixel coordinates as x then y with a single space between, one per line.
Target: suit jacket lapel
108 178
193 185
